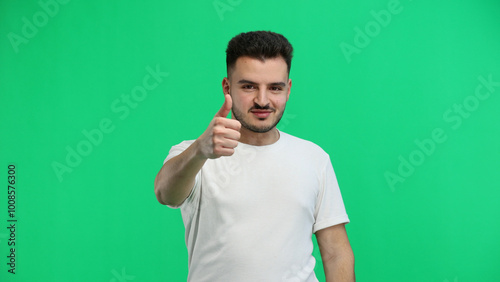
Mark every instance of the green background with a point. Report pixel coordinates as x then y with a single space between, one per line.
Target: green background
100 221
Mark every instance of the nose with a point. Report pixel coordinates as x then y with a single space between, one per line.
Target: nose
262 98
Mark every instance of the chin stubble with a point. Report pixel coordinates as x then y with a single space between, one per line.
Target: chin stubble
239 117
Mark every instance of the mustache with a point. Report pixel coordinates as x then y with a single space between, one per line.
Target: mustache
259 107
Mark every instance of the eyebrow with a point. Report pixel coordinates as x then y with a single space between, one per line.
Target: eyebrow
244 81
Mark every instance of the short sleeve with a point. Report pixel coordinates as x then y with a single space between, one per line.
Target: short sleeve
175 151
330 209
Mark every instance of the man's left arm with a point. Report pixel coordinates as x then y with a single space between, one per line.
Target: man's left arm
336 254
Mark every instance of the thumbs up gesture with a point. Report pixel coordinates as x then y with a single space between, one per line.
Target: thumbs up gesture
222 134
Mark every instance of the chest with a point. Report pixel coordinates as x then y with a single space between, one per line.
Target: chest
256 186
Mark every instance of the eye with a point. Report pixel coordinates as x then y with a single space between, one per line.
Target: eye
248 86
276 88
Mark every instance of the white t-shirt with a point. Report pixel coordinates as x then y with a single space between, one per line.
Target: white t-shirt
251 216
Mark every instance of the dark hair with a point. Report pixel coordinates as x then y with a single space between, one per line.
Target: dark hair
259 45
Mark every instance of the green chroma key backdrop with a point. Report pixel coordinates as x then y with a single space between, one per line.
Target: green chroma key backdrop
403 95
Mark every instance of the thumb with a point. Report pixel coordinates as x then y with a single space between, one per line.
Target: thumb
226 107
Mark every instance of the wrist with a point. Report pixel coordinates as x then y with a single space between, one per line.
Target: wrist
198 152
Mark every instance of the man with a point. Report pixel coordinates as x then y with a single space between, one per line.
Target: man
250 195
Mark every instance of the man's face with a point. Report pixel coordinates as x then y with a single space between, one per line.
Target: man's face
259 91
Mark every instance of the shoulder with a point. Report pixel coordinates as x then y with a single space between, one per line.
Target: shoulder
178 149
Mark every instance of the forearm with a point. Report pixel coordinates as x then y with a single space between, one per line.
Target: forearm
340 268
174 181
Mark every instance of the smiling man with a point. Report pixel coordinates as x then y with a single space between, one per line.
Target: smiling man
251 196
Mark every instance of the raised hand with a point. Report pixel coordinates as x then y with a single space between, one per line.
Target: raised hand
222 134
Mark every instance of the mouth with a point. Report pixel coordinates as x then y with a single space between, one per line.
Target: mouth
261 114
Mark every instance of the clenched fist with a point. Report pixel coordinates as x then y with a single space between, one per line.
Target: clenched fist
222 134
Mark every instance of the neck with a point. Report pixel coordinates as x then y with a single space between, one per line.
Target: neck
259 139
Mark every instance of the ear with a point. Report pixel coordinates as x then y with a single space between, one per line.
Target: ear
289 88
226 86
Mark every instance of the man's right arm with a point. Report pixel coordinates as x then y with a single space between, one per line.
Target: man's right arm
174 181
176 178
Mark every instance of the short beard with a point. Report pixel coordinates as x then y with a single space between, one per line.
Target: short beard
239 117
